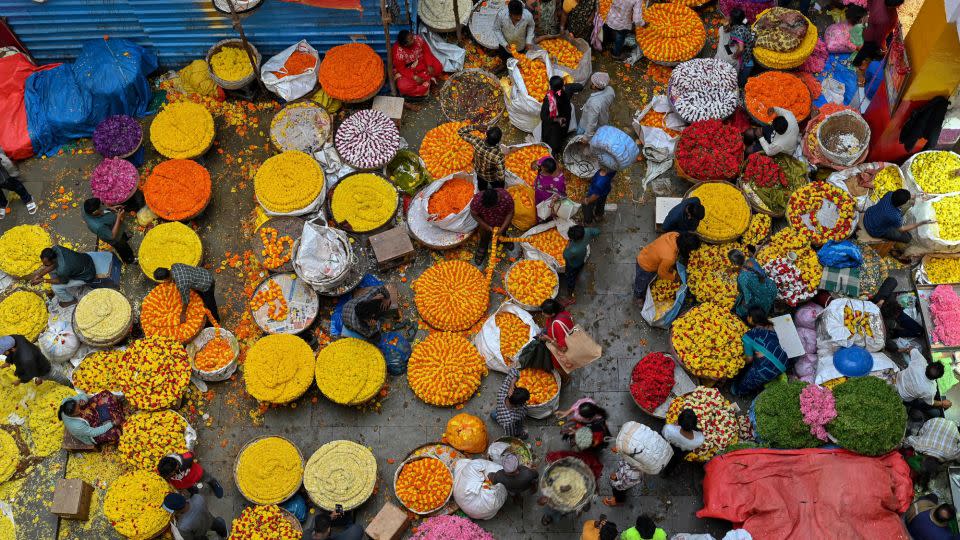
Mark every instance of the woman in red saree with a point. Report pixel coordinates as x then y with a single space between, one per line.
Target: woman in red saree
415 68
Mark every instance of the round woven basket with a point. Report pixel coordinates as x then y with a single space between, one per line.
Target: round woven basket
204 337
726 238
236 466
232 85
367 97
243 7
294 117
386 224
681 381
455 79
528 307
581 468
755 202
836 125
396 476
135 149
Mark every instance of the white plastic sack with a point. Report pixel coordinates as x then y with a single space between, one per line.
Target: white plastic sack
614 148
449 55
487 339
665 319
474 496
323 254
290 87
840 179
523 110
548 407
643 448
530 252
833 335
58 342
833 90
826 371
928 236
581 74
909 182
462 221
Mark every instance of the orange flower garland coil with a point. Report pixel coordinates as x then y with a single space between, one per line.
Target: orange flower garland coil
451 198
777 89
160 313
451 295
541 384
674 33
351 72
424 485
177 189
444 152
518 162
445 369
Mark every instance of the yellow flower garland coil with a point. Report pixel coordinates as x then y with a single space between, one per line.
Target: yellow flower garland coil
269 470
279 368
7 529
103 315
340 472
365 201
20 249
46 430
789 59
9 455
350 371
445 369
288 182
169 243
710 274
133 505
707 339
231 64
149 436
24 313
727 211
182 130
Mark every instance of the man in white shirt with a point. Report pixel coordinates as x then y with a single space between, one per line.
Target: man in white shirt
917 386
783 134
513 25
596 111
683 437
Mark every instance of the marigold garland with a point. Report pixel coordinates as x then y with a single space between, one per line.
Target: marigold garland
149 436
269 470
365 201
451 295
277 250
182 130
153 373
711 276
777 89
160 313
351 72
20 249
279 368
758 230
786 241
541 384
177 189
266 522
531 281
350 371
444 152
271 296
707 340
9 455
727 213
424 485
288 182
23 313
340 472
790 59
445 369
673 33
133 505
99 371
805 204
169 243
103 315
518 161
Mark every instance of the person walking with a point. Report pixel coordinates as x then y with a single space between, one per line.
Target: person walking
68 270
619 23
625 477
185 473
575 254
107 224
511 412
596 111
190 278
556 328
10 181
488 160
192 517
600 186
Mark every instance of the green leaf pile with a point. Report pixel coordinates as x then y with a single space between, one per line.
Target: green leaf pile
871 418
779 420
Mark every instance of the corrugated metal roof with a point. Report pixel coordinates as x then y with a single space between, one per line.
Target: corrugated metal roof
182 30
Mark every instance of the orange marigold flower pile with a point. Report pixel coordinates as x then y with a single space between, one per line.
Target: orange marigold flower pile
214 355
445 369
452 197
541 384
160 313
444 152
566 53
777 89
518 162
514 334
350 72
534 73
451 295
276 249
177 189
531 281
424 485
674 33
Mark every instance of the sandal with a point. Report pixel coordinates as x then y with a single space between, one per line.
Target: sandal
31 208
611 501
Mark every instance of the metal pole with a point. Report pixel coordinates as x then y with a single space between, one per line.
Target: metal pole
246 44
386 18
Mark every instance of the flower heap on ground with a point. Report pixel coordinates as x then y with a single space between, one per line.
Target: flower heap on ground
444 527
772 180
444 152
945 311
708 340
276 248
278 368
714 418
711 276
673 33
363 201
153 373
531 281
214 355
451 295
178 189
133 505
161 309
534 74
758 230
20 249
424 485
114 180
870 416
445 369
541 384
149 436
776 89
887 180
350 371
367 139
564 52
727 211
709 150
651 380
518 161
797 280
103 315
806 205
779 419
514 334
169 243
942 269
99 371
266 522
117 135
773 45
350 72
9 455
38 405
231 64
452 198
704 89
288 182
182 130
269 470
340 472
933 172
271 296
23 313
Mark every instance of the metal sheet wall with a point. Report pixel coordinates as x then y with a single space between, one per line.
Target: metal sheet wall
182 30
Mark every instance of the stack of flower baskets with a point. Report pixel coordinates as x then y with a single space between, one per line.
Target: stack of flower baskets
674 33
444 152
103 317
727 214
153 373
445 369
450 295
423 484
350 371
290 183
704 89
363 202
161 309
268 470
351 73
709 150
169 243
771 42
715 419
178 189
707 341
340 473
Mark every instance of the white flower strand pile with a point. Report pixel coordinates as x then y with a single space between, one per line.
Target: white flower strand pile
368 139
704 89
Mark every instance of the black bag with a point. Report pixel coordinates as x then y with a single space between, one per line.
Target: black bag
535 355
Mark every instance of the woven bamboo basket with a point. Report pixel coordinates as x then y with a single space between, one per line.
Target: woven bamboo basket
236 466
232 85
396 476
835 126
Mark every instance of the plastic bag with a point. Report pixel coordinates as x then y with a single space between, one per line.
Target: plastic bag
643 448
323 255
488 338
853 361
665 319
297 506
833 334
449 55
843 254
615 149
522 109
466 433
462 221
58 342
408 173
396 351
524 212
292 86
474 495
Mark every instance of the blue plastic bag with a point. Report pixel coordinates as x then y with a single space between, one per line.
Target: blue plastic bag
396 350
336 318
614 148
844 254
297 506
853 361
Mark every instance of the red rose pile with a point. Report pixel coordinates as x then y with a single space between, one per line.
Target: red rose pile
710 150
652 380
762 171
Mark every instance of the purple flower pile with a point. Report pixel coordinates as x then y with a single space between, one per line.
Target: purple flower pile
114 180
117 136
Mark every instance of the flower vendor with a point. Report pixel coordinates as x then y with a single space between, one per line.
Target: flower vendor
492 208
192 517
10 181
184 472
488 159
885 219
517 478
585 413
361 313
917 386
106 224
754 287
556 113
782 136
659 258
683 437
599 529
644 529
28 361
93 419
847 36
513 26
765 358
511 412
597 192
549 182
881 20
685 216
738 46
324 522
938 438
929 519
545 17
575 254
898 324
619 23
577 17
596 111
190 278
68 271
415 67
556 328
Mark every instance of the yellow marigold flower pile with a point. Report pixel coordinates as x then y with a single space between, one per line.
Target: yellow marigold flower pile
789 59
424 485
787 240
444 152
565 53
7 529
278 368
947 212
365 201
514 334
46 429
727 210
707 339
942 270
518 162
531 281
149 436
451 295
103 314
182 130
350 371
23 313
340 472
934 171
269 470
20 249
445 369
276 249
263 523
99 371
534 74
804 206
154 372
664 291
758 230
541 384
273 295
9 455
133 505
673 33
231 64
160 313
288 182
169 243
215 354
885 181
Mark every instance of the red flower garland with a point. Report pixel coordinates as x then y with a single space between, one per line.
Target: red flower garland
652 380
710 150
762 171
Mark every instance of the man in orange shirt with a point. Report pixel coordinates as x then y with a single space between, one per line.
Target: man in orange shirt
659 259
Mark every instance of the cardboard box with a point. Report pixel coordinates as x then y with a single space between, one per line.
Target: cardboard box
663 207
390 106
71 444
392 248
389 524
71 499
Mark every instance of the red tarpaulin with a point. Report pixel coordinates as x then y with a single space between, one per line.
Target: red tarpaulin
14 137
805 494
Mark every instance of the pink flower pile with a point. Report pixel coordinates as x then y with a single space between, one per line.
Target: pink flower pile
945 309
818 408
114 180
817 59
450 527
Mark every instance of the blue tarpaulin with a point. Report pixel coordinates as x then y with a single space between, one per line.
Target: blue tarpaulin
836 69
69 101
